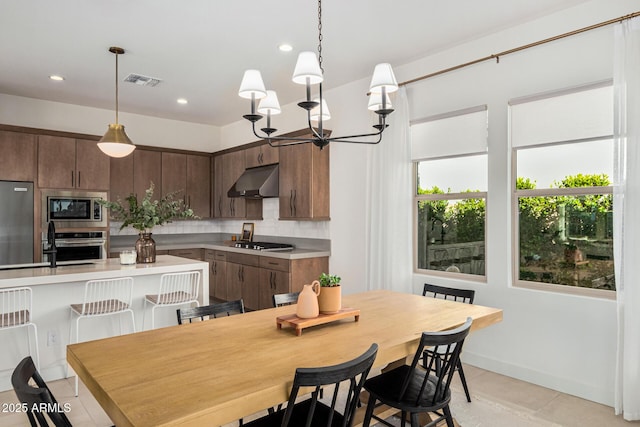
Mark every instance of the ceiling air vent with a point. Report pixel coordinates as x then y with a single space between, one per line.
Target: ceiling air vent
141 80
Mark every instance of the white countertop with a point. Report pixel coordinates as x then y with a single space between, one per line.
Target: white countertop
98 269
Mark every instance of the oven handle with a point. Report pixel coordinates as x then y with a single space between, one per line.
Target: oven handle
79 243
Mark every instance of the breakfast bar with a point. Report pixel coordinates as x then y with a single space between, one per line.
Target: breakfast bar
54 289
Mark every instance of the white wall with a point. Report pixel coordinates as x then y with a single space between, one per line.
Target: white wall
143 130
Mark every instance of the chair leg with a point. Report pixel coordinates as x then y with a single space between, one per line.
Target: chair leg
414 420
133 322
464 381
77 340
369 412
448 416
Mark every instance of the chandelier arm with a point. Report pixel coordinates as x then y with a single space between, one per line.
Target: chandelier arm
311 128
364 135
281 138
357 142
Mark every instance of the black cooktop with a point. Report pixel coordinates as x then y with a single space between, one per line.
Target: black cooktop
264 246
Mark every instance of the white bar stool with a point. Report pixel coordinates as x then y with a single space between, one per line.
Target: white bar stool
175 289
16 312
102 298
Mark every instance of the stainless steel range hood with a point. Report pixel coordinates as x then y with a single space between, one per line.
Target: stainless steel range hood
256 183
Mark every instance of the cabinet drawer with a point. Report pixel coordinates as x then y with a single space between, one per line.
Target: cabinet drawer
274 263
187 253
209 254
244 259
220 255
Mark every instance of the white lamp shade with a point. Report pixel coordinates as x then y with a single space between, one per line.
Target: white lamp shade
252 84
269 104
307 66
375 101
315 112
116 143
383 77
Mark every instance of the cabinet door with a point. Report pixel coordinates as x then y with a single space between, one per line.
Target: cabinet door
295 181
174 174
147 168
250 282
272 282
217 186
218 281
234 282
121 177
232 166
304 182
92 166
56 162
18 160
261 155
199 185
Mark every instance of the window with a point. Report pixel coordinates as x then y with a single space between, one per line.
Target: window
450 157
563 166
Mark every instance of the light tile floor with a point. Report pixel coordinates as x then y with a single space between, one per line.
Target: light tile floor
497 401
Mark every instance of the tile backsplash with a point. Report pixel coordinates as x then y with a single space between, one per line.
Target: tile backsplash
269 225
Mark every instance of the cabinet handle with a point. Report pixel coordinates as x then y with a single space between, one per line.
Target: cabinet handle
72 179
295 197
291 202
79 179
242 274
219 205
239 267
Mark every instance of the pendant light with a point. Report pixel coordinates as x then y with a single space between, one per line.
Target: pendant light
116 143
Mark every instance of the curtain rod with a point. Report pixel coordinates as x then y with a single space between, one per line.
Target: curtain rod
497 56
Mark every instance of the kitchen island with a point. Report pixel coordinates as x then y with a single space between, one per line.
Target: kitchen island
55 288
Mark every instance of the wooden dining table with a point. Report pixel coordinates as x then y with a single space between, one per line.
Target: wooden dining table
219 370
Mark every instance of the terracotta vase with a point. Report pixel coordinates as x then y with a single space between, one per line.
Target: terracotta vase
330 299
307 307
145 249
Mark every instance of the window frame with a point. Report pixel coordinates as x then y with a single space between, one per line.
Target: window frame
417 198
542 192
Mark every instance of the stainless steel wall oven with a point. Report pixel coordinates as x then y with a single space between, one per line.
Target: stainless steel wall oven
74 246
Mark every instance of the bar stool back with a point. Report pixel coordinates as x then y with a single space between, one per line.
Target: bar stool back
175 289
105 297
16 312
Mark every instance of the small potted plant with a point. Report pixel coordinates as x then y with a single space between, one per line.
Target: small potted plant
144 215
330 297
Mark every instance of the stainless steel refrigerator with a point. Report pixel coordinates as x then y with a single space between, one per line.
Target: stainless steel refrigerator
16 222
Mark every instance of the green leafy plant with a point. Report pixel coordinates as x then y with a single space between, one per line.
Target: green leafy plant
327 280
145 214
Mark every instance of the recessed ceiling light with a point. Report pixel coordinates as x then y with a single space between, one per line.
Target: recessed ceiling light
182 101
56 78
284 47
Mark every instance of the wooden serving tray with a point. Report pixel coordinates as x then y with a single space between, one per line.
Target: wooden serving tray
300 324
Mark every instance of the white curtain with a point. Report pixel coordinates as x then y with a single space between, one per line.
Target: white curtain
626 207
389 224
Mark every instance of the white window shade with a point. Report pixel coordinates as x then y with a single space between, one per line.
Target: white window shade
453 134
568 117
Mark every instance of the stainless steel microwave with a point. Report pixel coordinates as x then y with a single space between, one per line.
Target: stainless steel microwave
73 209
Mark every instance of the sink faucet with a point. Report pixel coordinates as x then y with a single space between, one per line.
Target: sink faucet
51 241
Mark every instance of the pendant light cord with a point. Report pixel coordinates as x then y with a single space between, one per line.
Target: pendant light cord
116 87
320 35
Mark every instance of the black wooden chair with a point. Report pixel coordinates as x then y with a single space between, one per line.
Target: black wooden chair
313 412
414 390
285 299
460 295
214 310
39 397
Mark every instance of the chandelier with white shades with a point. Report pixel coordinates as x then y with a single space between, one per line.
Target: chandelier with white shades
308 72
